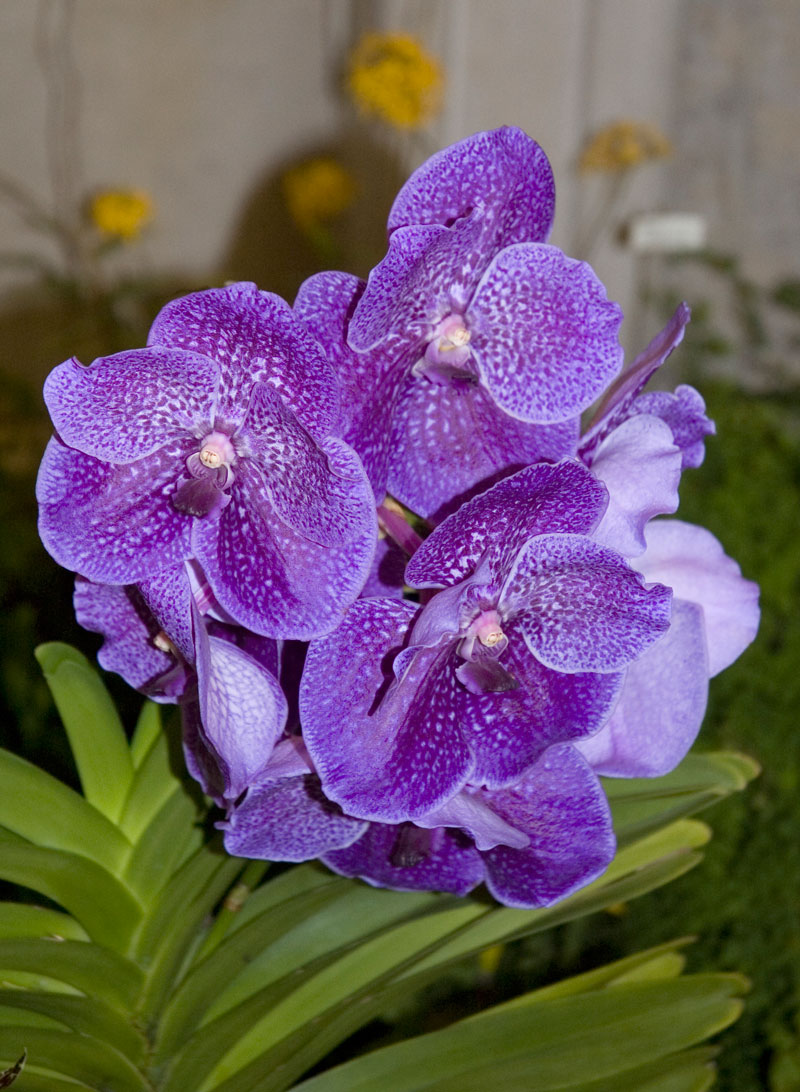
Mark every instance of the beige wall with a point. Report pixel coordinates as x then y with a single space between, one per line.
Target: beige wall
202 101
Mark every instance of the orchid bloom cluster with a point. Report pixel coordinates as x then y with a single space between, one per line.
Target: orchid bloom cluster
408 610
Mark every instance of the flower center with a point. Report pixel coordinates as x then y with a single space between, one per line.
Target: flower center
217 451
447 359
487 629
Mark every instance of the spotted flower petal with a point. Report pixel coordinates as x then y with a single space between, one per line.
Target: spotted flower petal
502 171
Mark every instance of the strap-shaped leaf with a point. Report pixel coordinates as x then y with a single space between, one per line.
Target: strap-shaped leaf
97 972
153 783
322 1013
172 835
97 900
86 1059
95 731
45 811
84 1015
557 1044
19 919
640 805
174 925
147 732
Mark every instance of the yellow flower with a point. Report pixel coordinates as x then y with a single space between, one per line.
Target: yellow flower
394 78
121 214
624 145
317 190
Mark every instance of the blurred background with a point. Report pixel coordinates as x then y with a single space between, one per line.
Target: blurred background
153 148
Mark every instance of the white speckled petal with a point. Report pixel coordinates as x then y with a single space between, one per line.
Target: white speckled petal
544 334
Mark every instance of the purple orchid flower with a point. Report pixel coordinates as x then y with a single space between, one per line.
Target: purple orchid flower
662 702
532 843
638 444
521 648
217 443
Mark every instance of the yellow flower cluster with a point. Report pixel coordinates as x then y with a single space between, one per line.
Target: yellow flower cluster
392 77
121 214
317 190
624 145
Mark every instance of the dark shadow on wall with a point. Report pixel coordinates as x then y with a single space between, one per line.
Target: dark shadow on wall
269 248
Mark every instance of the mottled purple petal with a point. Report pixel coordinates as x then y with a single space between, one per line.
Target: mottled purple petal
503 171
661 704
272 579
470 812
318 489
691 561
562 808
169 597
121 616
288 820
427 273
385 751
243 710
641 467
126 407
451 863
544 334
616 403
580 607
685 414
112 524
252 337
369 381
548 707
448 442
538 499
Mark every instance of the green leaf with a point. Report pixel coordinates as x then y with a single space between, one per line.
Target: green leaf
45 811
153 784
554 1045
147 733
97 900
79 1056
84 1015
95 971
640 805
174 925
95 731
171 836
18 919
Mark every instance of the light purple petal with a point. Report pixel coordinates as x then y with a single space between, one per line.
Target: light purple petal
685 413
252 337
450 862
580 607
272 579
126 407
640 467
448 442
503 171
471 812
661 704
318 489
243 710
692 562
544 334
288 820
428 273
616 403
562 808
384 750
112 524
538 499
121 616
